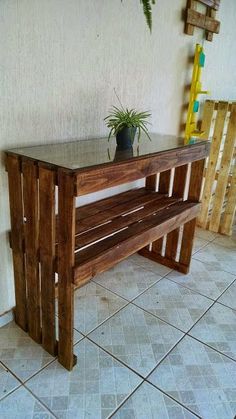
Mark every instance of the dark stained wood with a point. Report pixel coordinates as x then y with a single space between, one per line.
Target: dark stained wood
99 257
164 185
17 238
151 183
31 212
202 21
108 203
170 263
178 191
47 257
66 246
117 210
122 221
193 195
96 179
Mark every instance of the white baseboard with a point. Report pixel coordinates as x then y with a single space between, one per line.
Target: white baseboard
6 318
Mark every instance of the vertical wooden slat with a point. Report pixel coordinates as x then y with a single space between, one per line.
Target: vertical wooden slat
164 185
47 257
30 194
189 29
224 171
178 191
17 237
212 163
211 13
208 110
229 213
195 185
66 260
151 182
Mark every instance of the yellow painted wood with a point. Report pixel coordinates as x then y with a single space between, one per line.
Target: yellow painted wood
207 116
224 172
229 213
212 163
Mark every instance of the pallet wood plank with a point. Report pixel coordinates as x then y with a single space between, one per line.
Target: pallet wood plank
194 192
47 257
214 4
189 29
164 186
109 214
178 191
212 162
208 110
122 221
94 180
98 258
66 247
31 212
17 238
230 208
224 171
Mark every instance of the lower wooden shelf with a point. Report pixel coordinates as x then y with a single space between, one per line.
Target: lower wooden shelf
109 230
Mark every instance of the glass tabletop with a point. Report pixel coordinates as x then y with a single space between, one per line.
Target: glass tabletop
82 154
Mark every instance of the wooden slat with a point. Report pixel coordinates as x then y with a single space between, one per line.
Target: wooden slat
189 228
31 212
229 213
212 162
212 13
115 211
224 171
207 116
66 246
164 185
189 29
122 222
17 238
151 183
214 4
103 204
99 257
178 192
96 179
47 257
202 21
170 263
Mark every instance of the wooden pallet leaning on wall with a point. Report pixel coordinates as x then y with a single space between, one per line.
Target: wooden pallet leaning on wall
219 188
205 21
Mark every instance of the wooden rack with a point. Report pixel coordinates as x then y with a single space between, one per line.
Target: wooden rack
204 21
219 191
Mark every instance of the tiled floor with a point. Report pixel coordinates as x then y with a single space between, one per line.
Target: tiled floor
151 344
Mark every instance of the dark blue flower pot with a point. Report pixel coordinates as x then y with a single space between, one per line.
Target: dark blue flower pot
125 138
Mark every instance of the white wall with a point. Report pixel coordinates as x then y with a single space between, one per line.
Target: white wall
61 59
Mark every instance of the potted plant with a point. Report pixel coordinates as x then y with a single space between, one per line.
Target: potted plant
124 123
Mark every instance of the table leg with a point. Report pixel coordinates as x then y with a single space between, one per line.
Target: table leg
66 247
17 238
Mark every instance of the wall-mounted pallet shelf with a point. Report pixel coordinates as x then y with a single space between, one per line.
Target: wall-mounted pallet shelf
205 21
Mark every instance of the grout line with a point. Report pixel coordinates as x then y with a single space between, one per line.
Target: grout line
125 400
39 400
177 401
223 270
211 347
10 392
40 370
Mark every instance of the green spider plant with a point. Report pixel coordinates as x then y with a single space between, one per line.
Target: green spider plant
121 118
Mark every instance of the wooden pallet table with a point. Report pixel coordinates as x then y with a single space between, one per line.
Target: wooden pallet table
77 242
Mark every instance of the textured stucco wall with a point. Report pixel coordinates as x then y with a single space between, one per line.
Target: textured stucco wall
61 59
